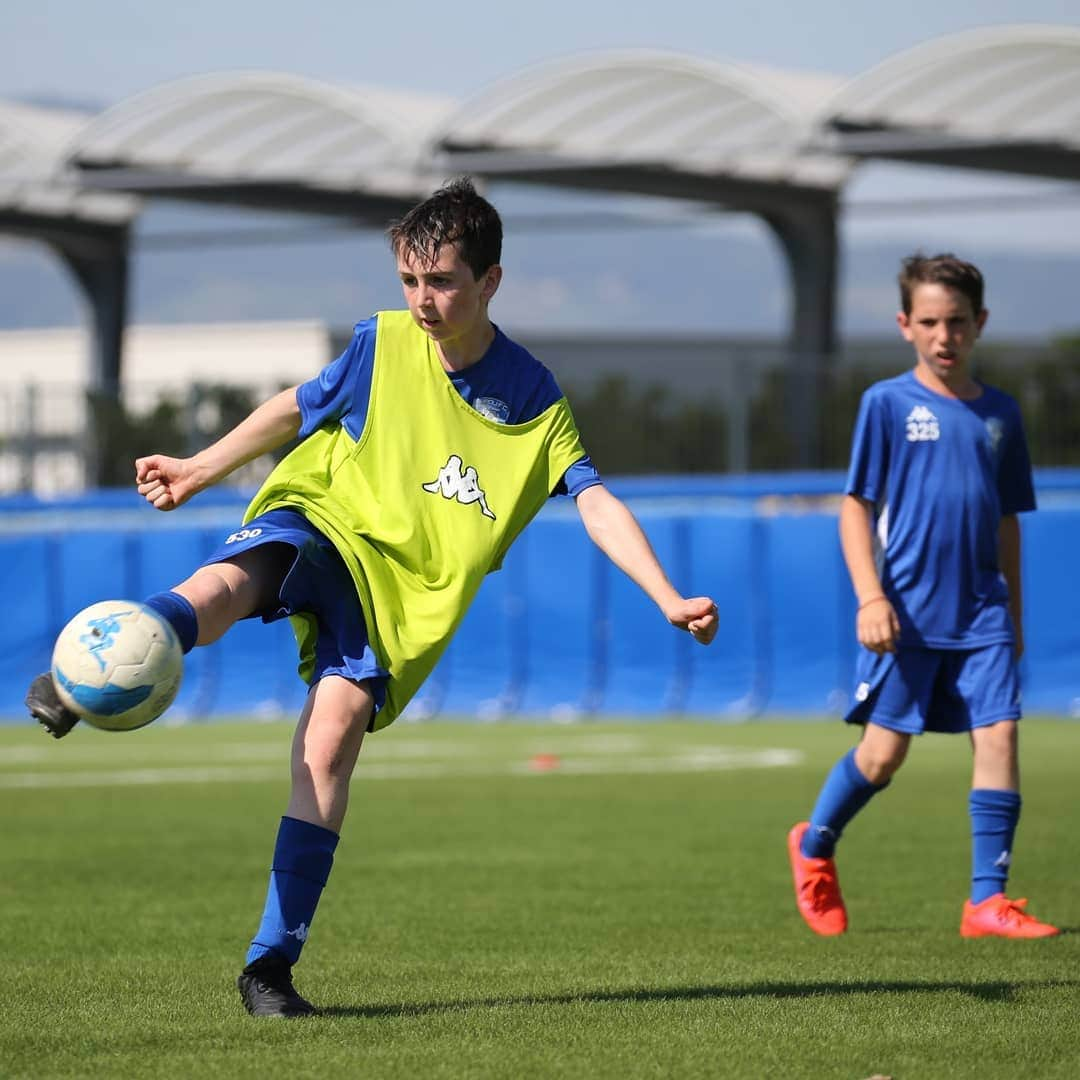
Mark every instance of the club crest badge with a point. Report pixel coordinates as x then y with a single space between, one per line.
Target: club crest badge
492 409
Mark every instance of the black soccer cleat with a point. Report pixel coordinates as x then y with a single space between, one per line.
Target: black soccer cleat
47 709
266 989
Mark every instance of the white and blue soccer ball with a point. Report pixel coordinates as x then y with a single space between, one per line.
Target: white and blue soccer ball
118 665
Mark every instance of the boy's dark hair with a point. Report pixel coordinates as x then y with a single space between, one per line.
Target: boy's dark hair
944 269
455 214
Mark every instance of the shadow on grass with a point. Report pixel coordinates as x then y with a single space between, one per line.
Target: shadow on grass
983 991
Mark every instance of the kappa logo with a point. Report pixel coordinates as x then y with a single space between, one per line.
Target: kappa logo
995 432
1003 861
453 482
300 933
922 425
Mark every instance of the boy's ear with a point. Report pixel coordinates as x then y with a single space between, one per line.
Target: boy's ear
980 320
492 280
904 323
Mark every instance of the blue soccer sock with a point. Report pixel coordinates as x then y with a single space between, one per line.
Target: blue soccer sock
845 792
303 856
994 815
177 611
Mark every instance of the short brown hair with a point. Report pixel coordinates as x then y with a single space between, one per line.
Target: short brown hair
455 214
945 269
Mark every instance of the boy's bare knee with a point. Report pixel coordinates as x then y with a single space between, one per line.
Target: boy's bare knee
206 587
995 752
878 770
213 596
329 757
880 753
329 739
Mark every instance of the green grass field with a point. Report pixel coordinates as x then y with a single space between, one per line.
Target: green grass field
516 900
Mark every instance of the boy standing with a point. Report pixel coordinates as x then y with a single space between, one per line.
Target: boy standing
425 449
939 470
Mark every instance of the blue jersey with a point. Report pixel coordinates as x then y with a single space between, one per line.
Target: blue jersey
941 473
507 385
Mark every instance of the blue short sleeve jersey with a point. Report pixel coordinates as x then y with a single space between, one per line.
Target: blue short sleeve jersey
941 473
507 385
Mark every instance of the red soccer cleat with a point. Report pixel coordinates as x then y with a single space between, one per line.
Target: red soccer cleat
817 889
998 916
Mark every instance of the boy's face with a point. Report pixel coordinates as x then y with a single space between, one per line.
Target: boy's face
444 298
943 328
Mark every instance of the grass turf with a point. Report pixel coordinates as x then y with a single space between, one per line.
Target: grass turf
514 900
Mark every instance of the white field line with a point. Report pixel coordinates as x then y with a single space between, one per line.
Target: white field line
702 759
116 748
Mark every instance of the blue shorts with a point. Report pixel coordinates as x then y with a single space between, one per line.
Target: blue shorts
946 690
318 583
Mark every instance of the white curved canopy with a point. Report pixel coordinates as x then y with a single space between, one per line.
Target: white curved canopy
263 126
35 137
1011 83
656 109
33 141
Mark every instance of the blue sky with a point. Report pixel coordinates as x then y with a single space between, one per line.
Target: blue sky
106 50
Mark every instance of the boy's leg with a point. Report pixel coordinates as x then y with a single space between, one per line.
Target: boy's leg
994 807
858 776
222 593
325 748
200 609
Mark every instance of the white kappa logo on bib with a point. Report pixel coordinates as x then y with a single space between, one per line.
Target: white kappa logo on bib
453 482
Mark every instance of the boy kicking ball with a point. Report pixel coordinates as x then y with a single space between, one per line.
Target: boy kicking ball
929 530
424 450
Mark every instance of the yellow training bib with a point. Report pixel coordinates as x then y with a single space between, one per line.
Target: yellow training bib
422 505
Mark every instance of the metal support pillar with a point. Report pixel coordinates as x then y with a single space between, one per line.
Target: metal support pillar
98 259
808 232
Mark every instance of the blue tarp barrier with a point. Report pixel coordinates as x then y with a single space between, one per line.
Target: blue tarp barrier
559 631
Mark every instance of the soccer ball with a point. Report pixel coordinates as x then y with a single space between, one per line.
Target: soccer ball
117 664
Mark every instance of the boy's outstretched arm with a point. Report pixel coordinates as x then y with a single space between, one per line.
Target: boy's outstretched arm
616 532
168 482
876 624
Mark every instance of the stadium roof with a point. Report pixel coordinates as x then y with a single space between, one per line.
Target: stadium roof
265 139
646 117
1005 98
33 188
1001 98
751 139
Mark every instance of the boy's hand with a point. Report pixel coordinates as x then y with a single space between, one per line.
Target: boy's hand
165 482
698 616
876 626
